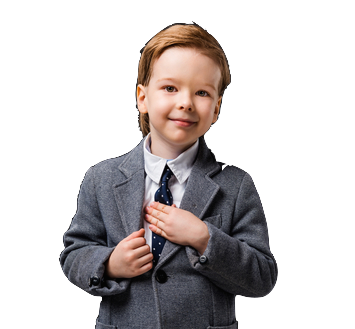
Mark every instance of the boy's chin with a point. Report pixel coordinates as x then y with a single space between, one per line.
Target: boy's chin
182 141
178 139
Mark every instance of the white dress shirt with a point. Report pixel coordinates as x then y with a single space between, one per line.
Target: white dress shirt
154 167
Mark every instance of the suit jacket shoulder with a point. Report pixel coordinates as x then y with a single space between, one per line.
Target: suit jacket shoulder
112 172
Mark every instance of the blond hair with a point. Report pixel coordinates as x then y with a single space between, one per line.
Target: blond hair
180 35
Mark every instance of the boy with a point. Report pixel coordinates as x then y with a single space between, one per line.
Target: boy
162 233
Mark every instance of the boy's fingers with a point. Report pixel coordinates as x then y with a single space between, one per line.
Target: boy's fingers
136 243
160 207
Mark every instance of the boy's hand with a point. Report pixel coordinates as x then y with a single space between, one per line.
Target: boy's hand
130 258
178 226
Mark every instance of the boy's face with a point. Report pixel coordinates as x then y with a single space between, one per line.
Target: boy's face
181 98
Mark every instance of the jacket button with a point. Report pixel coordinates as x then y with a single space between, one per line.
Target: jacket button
94 281
161 276
203 259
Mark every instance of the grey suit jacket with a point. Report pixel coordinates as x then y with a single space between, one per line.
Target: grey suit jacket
185 289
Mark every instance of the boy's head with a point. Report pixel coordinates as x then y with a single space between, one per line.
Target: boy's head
196 46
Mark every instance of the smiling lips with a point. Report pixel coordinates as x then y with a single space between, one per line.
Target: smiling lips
183 122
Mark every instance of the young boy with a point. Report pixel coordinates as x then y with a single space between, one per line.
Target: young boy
162 233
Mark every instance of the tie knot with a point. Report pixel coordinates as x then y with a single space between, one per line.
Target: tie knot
167 173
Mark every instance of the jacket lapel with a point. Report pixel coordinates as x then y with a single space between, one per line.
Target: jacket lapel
201 189
199 194
129 194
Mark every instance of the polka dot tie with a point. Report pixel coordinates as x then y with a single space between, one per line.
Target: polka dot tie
164 196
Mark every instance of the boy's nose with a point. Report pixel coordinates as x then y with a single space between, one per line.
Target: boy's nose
185 103
189 108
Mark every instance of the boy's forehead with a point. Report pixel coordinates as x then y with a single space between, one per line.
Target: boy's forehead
179 62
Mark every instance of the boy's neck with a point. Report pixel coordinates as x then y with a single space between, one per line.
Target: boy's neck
167 151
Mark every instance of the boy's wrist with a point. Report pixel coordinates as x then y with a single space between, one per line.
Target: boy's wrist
202 238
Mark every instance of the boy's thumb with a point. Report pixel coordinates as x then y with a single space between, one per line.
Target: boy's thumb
136 234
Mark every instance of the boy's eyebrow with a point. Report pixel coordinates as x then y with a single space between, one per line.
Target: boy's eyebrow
174 80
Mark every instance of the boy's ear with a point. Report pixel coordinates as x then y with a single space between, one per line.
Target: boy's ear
141 92
216 110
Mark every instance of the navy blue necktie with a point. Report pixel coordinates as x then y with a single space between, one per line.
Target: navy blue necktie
164 196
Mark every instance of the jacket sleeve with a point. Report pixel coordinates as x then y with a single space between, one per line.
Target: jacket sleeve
241 262
86 249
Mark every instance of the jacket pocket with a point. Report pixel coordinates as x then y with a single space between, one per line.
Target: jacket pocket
214 220
232 326
100 325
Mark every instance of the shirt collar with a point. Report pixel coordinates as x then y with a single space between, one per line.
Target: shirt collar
181 166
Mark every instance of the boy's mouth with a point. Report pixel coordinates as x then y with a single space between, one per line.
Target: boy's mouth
183 122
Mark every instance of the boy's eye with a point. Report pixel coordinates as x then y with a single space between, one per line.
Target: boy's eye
202 93
170 89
